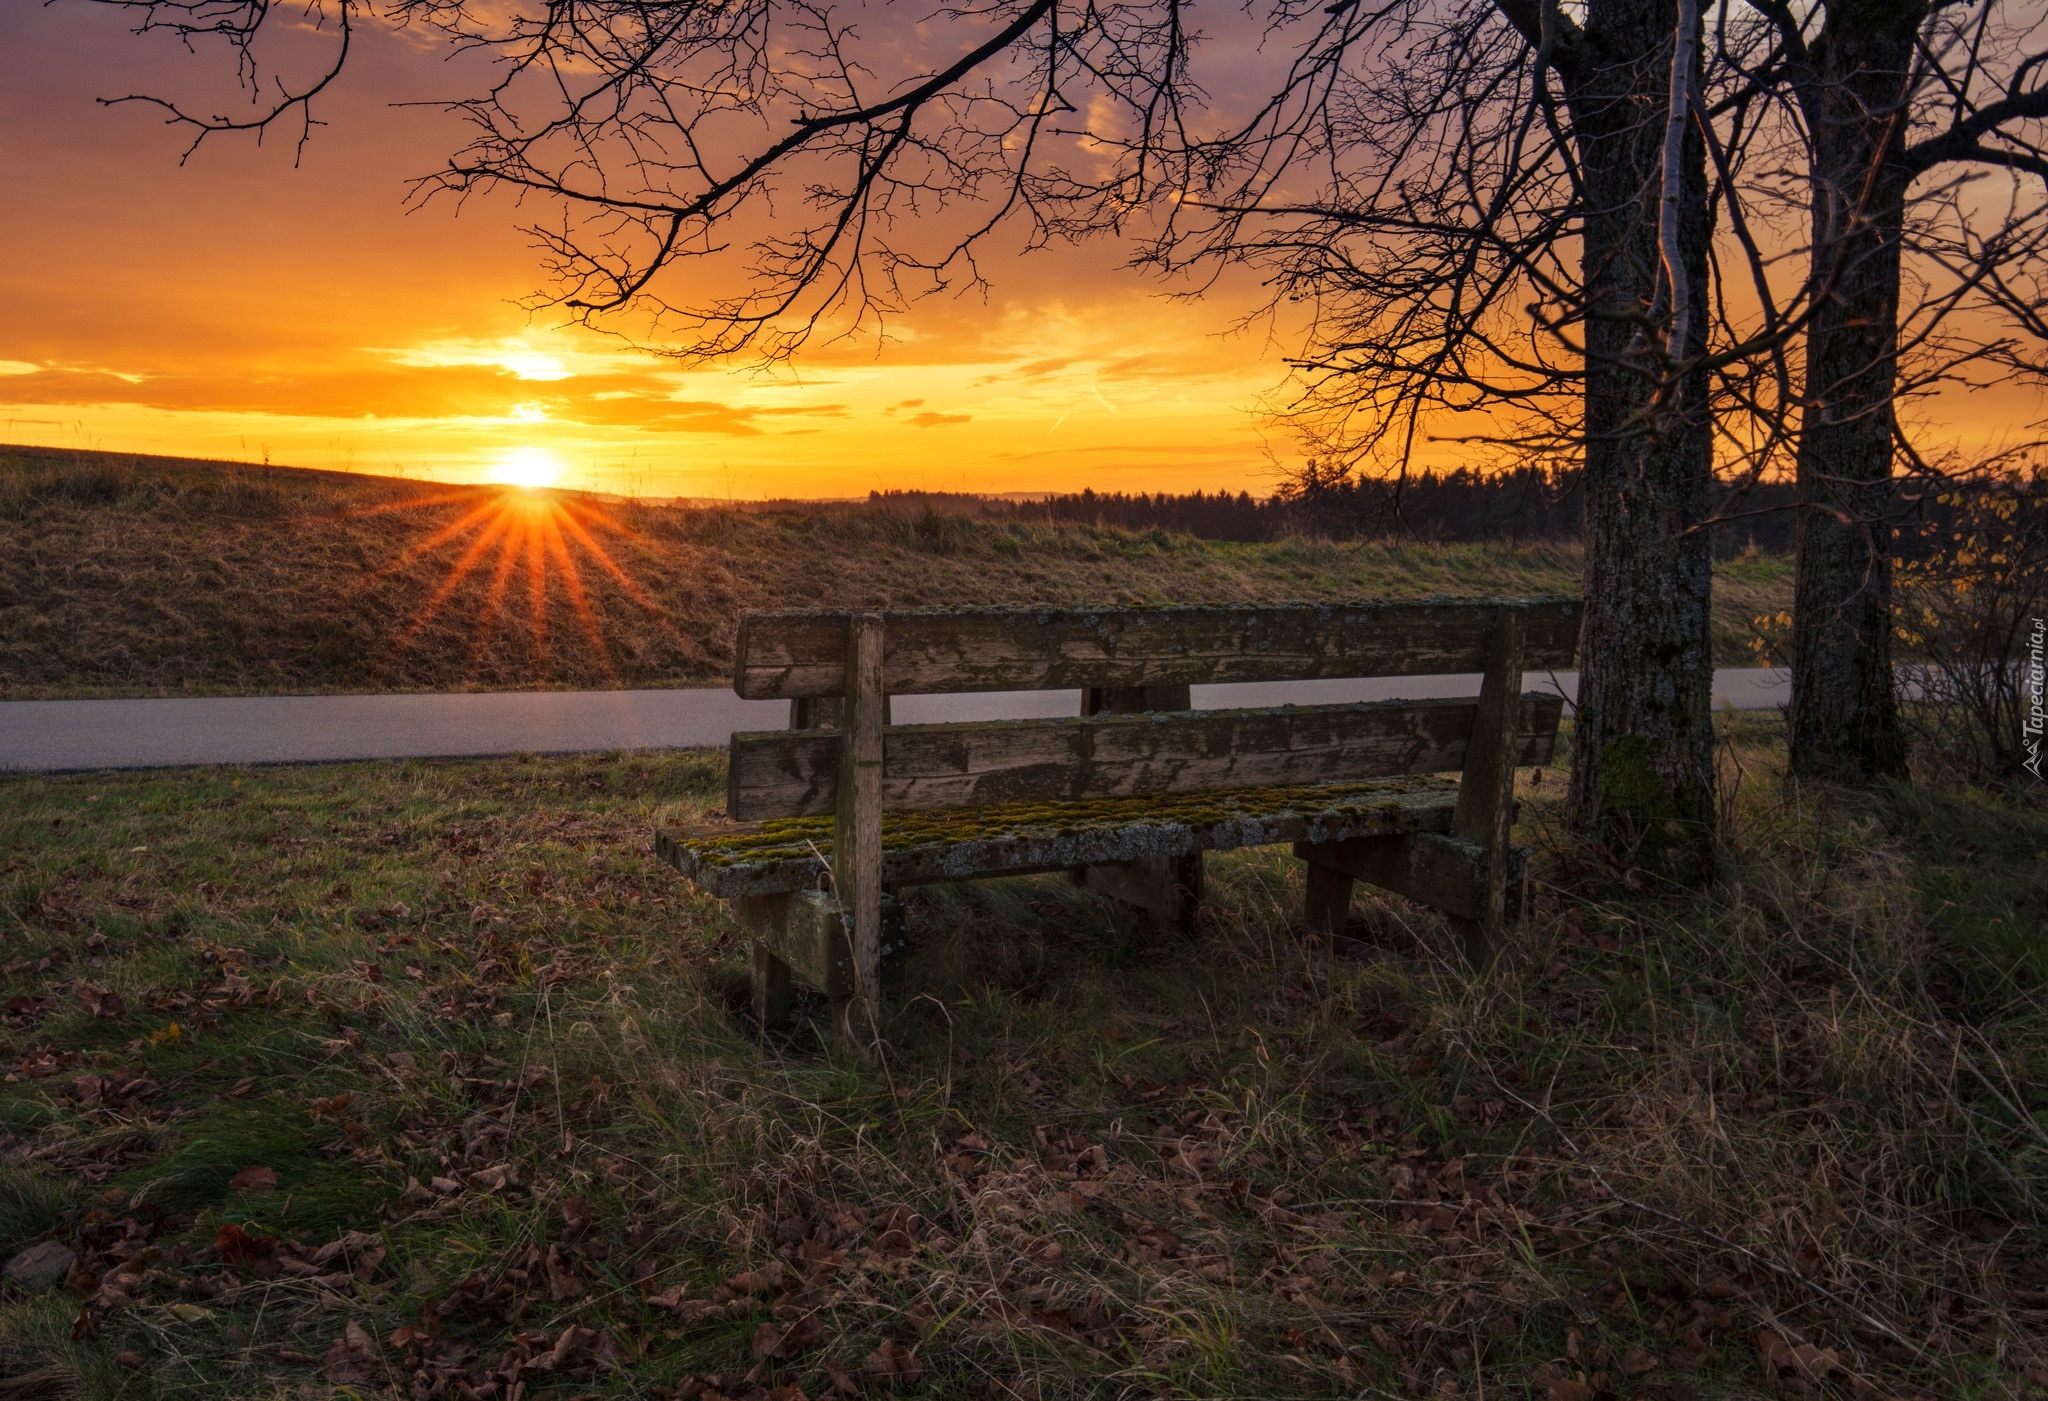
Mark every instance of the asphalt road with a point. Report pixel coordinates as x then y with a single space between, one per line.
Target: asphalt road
53 736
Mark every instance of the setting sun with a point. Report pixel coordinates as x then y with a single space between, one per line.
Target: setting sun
531 468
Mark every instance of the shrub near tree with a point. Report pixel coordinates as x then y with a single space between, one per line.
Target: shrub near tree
1971 603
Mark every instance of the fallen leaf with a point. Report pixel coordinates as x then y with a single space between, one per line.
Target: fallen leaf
1691 1351
756 1281
254 1179
332 1105
564 1278
1786 1359
494 1179
894 1245
236 1246
770 1341
352 1357
1154 1242
1635 1362
101 1002
892 1363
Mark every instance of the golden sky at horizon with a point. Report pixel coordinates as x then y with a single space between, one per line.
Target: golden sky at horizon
245 307
239 307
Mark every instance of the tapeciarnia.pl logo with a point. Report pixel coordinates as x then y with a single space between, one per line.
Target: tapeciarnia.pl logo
2037 669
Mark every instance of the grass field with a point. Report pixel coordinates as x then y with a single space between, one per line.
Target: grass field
139 576
425 1079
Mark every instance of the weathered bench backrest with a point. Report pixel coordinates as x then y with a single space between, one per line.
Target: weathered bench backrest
802 655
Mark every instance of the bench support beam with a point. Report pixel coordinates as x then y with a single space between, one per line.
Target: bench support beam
1444 871
1168 889
803 935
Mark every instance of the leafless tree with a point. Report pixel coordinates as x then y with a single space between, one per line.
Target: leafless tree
1913 270
1504 216
1488 202
1921 271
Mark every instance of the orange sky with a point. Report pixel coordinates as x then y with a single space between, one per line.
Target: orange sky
239 307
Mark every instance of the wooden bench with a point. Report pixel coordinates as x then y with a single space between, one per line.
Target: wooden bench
844 808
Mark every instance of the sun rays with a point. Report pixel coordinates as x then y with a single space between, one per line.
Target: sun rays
507 533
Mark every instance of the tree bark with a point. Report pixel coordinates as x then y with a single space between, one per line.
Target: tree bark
1642 767
1845 715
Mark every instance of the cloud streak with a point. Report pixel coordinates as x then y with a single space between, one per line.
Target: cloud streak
244 306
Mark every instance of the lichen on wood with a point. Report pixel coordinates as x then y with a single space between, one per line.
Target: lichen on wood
966 843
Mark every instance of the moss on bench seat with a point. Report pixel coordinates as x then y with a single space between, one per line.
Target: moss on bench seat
966 843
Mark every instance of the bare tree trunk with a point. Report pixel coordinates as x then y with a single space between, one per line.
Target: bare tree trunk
1845 715
1642 777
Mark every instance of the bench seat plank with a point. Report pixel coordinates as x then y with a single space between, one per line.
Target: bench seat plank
795 773
801 653
1016 839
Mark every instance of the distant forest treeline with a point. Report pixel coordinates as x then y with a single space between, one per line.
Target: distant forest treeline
1462 506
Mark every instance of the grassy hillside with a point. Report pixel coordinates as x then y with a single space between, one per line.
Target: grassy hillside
426 1079
122 575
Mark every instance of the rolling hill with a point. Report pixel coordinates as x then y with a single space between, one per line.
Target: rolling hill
125 575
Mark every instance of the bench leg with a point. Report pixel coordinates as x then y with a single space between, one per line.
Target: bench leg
1167 888
1485 813
857 826
895 944
847 1023
1329 901
848 1017
758 914
1478 939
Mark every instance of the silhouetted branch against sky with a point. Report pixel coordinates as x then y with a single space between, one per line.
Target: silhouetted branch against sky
760 175
277 93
